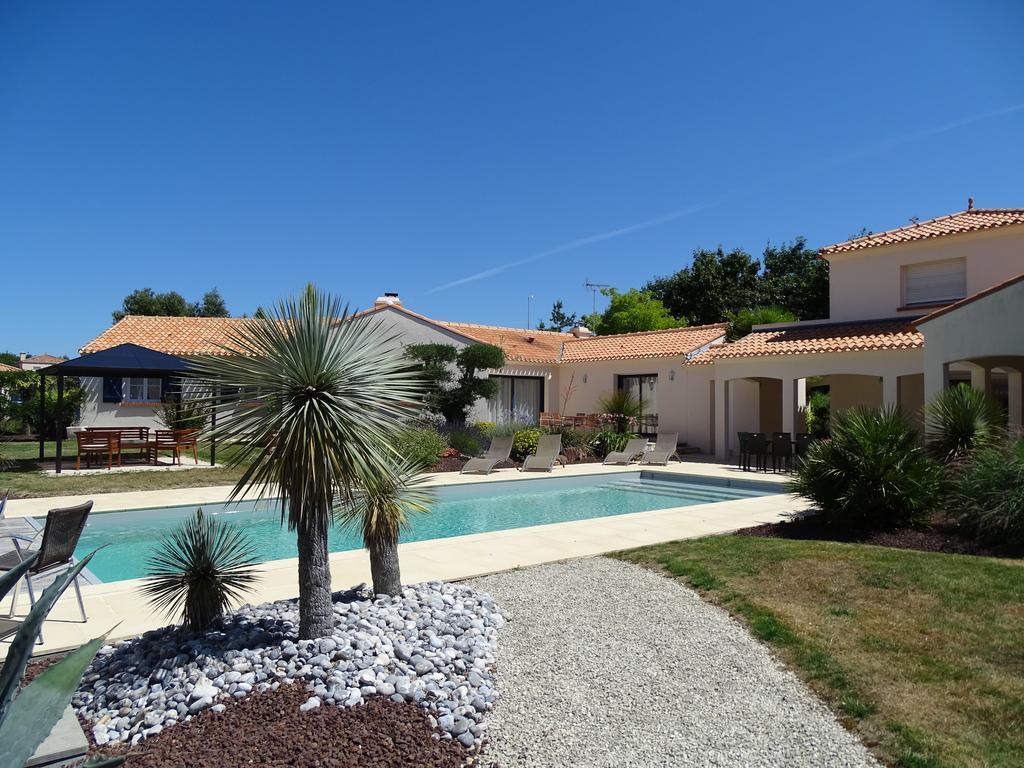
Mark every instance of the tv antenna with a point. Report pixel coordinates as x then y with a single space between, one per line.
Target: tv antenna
594 288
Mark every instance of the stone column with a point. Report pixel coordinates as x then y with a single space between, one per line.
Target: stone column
1015 393
890 390
721 419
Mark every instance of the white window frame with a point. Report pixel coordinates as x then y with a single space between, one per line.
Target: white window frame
934 300
144 385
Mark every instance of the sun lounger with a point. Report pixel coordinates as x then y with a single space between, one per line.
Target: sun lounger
634 448
664 450
499 450
548 448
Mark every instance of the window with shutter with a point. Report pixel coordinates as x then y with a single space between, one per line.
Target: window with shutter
935 282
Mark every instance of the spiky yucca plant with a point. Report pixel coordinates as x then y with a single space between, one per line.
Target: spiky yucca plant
382 510
622 408
959 419
332 394
200 570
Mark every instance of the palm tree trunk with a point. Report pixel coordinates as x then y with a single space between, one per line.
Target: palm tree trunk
315 607
384 567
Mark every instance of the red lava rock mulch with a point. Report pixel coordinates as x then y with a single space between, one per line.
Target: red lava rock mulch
268 729
940 536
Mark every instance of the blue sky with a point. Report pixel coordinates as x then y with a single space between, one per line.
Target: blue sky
532 145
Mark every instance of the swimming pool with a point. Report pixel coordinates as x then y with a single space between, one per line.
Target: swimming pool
130 537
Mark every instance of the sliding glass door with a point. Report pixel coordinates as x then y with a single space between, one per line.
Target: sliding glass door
519 398
644 387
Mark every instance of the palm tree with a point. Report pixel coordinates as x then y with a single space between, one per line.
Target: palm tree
381 511
324 400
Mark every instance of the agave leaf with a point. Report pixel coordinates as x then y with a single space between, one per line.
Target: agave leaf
21 647
11 577
35 711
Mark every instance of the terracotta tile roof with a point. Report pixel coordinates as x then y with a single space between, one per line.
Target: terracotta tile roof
5 368
672 342
816 339
520 344
972 298
171 335
47 359
970 220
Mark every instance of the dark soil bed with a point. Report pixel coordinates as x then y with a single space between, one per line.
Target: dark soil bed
268 729
940 535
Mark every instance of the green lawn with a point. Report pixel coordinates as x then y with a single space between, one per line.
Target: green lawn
24 480
920 654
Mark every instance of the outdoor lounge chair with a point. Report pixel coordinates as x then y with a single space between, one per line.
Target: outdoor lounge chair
3 502
499 450
56 551
665 449
9 627
548 448
635 447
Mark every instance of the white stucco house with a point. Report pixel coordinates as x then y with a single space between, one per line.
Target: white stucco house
880 345
911 310
544 371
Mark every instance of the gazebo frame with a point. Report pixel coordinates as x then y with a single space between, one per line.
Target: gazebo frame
123 360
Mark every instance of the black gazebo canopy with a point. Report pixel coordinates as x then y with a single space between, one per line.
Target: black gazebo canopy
122 360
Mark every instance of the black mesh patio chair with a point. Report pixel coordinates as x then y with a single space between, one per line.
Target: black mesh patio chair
803 442
757 451
57 542
782 450
744 438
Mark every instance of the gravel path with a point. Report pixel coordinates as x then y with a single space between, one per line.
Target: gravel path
607 664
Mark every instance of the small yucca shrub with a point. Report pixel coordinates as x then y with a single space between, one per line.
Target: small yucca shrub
200 570
959 419
872 474
989 497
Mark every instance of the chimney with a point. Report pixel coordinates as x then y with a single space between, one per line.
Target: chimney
970 203
387 300
581 332
22 355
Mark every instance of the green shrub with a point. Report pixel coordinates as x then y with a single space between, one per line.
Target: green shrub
486 428
742 322
580 439
960 418
510 428
989 497
818 414
525 442
421 444
609 440
199 570
872 474
468 442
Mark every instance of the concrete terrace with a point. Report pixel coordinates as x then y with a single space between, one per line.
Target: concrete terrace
118 607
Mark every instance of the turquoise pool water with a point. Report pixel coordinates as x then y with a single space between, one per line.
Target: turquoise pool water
475 508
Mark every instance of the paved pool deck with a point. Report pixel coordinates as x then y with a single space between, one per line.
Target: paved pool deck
119 608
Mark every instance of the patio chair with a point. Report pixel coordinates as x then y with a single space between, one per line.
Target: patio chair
187 439
548 448
635 447
498 451
9 626
101 444
803 442
664 450
165 441
744 442
782 450
757 449
56 549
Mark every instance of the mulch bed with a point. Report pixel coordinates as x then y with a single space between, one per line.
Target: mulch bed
940 535
268 729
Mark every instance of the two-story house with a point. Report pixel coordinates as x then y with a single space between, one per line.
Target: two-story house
911 309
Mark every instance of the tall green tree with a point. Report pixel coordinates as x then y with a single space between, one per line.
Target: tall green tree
322 428
741 323
559 320
795 279
715 284
630 312
9 358
452 376
146 301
